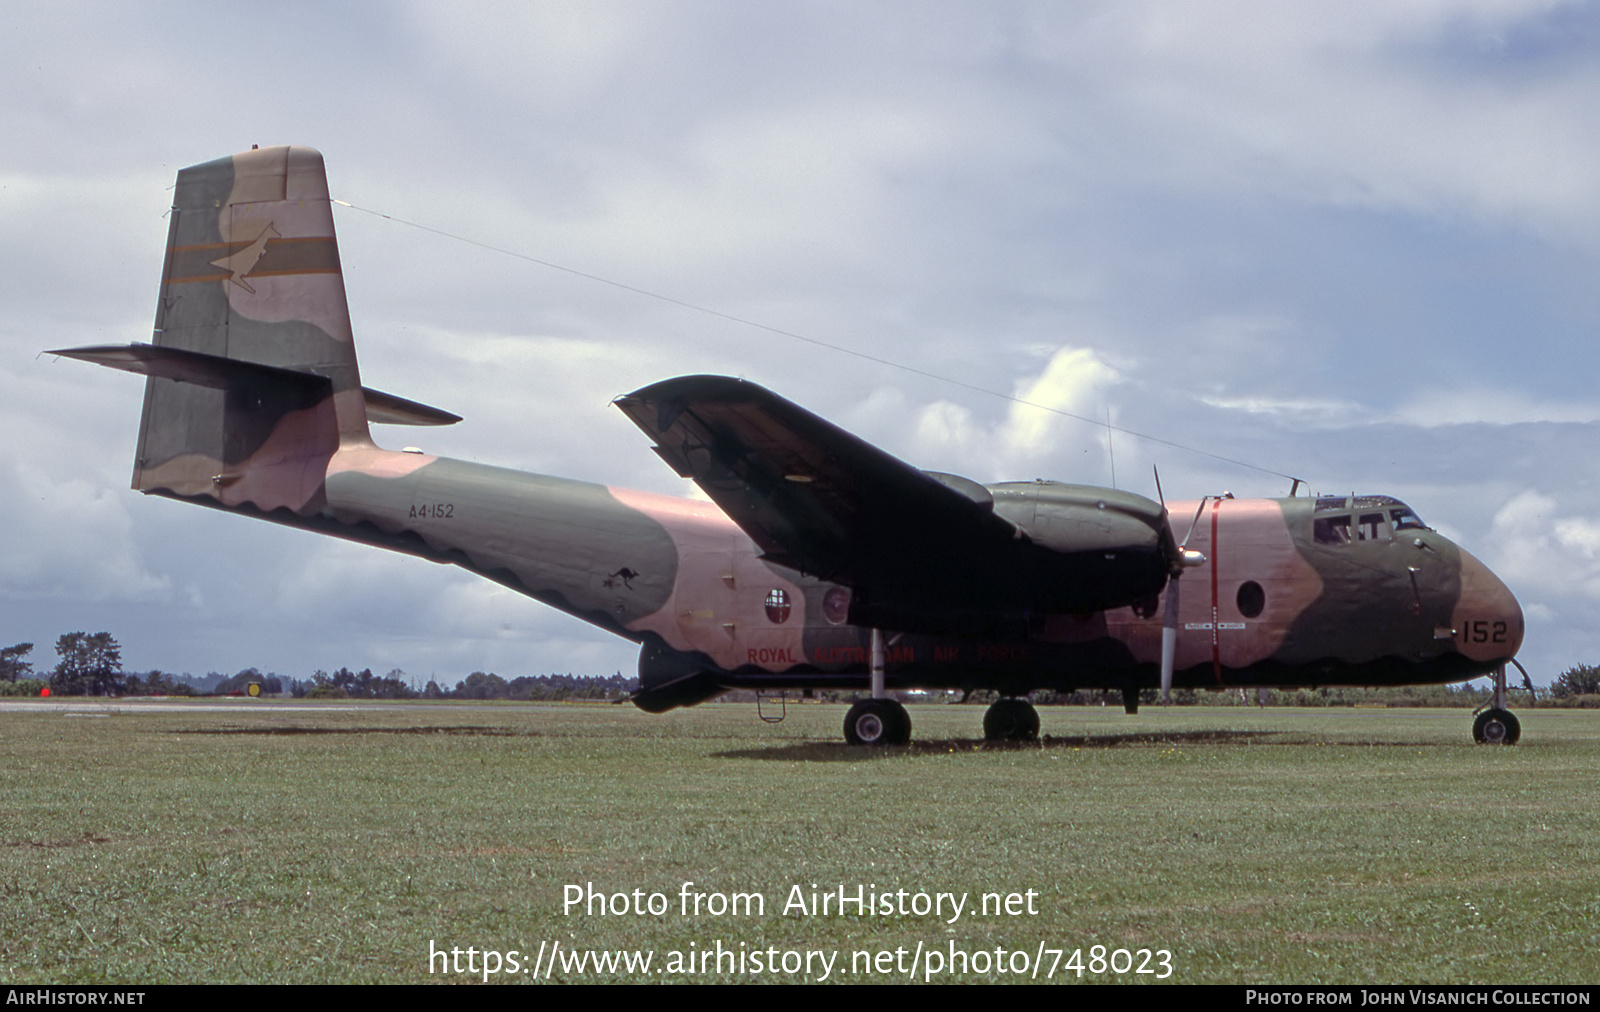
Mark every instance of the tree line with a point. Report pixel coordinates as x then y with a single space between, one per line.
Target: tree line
90 664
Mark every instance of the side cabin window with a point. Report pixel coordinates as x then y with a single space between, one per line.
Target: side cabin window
1332 530
1373 527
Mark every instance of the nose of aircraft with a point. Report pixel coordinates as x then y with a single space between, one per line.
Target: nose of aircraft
1487 617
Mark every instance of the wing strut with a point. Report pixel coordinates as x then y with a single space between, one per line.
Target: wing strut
880 720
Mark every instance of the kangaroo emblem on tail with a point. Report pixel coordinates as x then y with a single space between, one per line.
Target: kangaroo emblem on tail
240 264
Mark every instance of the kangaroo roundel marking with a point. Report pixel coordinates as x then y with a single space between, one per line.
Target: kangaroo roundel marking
241 263
836 605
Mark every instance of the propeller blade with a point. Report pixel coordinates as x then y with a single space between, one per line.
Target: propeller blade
1169 638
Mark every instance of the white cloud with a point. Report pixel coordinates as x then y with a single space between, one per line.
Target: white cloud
557 53
1321 413
1364 109
1072 381
1531 544
1475 403
1032 439
70 540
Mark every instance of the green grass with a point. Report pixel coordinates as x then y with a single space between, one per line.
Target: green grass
275 842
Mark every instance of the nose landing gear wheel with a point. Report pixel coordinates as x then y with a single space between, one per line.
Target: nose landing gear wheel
877 722
1011 720
1496 727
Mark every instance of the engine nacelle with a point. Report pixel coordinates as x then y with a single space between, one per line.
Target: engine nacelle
669 679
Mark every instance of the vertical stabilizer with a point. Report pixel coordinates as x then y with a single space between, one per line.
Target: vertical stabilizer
252 276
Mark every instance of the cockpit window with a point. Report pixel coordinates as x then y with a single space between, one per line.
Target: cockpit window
1373 527
1340 520
1405 520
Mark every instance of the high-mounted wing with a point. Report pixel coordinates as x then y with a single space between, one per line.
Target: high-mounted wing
813 496
921 551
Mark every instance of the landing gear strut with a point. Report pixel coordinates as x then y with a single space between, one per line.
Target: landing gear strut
879 720
1495 724
1011 720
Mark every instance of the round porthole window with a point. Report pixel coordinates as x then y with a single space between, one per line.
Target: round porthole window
777 606
1252 599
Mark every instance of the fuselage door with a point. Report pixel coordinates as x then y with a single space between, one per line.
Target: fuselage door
707 588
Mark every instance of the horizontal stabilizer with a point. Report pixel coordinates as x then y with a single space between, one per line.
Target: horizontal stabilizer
192 367
223 373
392 410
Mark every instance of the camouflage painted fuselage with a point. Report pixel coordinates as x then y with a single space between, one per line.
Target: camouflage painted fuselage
254 405
1271 606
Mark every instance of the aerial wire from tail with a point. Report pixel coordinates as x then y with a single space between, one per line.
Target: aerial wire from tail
743 321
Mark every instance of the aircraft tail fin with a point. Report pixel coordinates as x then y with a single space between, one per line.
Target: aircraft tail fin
253 380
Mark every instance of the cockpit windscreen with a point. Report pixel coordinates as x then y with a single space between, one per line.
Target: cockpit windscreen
1340 520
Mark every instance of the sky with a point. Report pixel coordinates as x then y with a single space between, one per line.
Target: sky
1359 250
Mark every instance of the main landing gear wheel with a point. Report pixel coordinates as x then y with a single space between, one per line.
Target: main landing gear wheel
1496 727
877 722
1011 720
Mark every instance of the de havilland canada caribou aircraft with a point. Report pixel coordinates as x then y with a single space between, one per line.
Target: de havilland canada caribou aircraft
824 563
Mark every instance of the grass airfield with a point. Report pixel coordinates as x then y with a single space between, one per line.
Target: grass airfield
280 842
